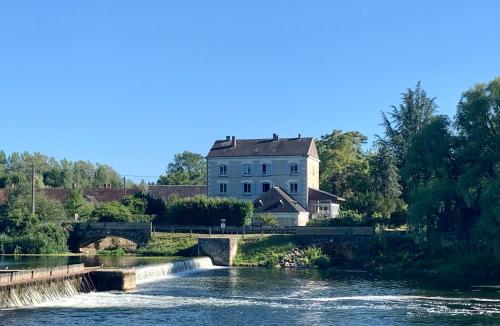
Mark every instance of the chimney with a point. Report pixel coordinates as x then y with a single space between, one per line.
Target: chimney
299 136
233 141
228 138
276 137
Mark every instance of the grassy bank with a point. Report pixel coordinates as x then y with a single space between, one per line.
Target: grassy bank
170 244
277 250
390 255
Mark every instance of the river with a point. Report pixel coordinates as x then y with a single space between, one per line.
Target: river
236 296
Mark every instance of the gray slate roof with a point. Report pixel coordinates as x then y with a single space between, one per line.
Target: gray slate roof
276 200
265 147
165 191
318 195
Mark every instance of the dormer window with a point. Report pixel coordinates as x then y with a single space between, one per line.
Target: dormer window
247 169
294 169
223 170
264 168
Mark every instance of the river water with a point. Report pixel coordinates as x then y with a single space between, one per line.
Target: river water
237 296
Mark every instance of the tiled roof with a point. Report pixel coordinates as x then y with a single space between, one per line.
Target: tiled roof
318 195
99 195
264 147
165 191
276 200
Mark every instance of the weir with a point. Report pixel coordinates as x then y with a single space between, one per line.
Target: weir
153 272
21 288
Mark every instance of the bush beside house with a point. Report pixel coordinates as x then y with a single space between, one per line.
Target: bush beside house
208 211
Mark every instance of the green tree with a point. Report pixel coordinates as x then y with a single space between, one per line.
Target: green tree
113 212
434 205
76 204
187 168
106 175
477 122
344 167
406 120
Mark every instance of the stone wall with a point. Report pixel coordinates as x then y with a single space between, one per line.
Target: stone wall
113 279
221 250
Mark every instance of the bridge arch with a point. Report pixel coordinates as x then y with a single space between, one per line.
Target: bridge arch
86 233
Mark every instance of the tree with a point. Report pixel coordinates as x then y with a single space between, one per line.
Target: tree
113 212
344 167
187 168
76 204
404 121
434 205
477 122
106 175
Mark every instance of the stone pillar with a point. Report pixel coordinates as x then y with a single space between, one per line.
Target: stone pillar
113 279
221 250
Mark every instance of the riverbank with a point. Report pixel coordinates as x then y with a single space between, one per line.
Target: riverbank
380 254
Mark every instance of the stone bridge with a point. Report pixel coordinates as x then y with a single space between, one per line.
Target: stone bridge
86 233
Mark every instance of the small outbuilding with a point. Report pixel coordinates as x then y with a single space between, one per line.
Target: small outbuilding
278 203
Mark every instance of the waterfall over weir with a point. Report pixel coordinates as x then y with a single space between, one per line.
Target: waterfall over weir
151 273
43 291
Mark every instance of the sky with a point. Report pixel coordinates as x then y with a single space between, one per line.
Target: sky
131 83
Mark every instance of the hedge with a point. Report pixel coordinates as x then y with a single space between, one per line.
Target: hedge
208 211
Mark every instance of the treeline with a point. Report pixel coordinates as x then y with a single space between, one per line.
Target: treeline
434 173
49 172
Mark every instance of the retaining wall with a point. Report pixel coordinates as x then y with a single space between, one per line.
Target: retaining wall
221 250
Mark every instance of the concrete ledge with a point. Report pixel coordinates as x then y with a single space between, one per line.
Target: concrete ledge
113 280
221 250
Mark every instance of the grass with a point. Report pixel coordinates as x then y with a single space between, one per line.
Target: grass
170 244
257 251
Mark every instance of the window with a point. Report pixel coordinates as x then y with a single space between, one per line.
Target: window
223 170
223 188
247 188
294 168
247 169
266 186
264 168
294 187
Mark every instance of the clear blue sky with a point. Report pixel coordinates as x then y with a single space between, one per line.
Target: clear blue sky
131 83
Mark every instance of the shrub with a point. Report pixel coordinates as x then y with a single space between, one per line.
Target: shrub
46 238
266 220
208 211
113 212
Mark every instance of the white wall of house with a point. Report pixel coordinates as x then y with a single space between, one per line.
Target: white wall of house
292 219
248 170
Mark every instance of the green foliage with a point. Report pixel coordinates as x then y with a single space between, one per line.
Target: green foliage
343 164
264 251
137 204
405 120
208 211
266 220
170 244
76 204
430 177
46 238
368 181
16 169
117 252
187 169
113 212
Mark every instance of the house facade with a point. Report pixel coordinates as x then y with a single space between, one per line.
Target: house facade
249 168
